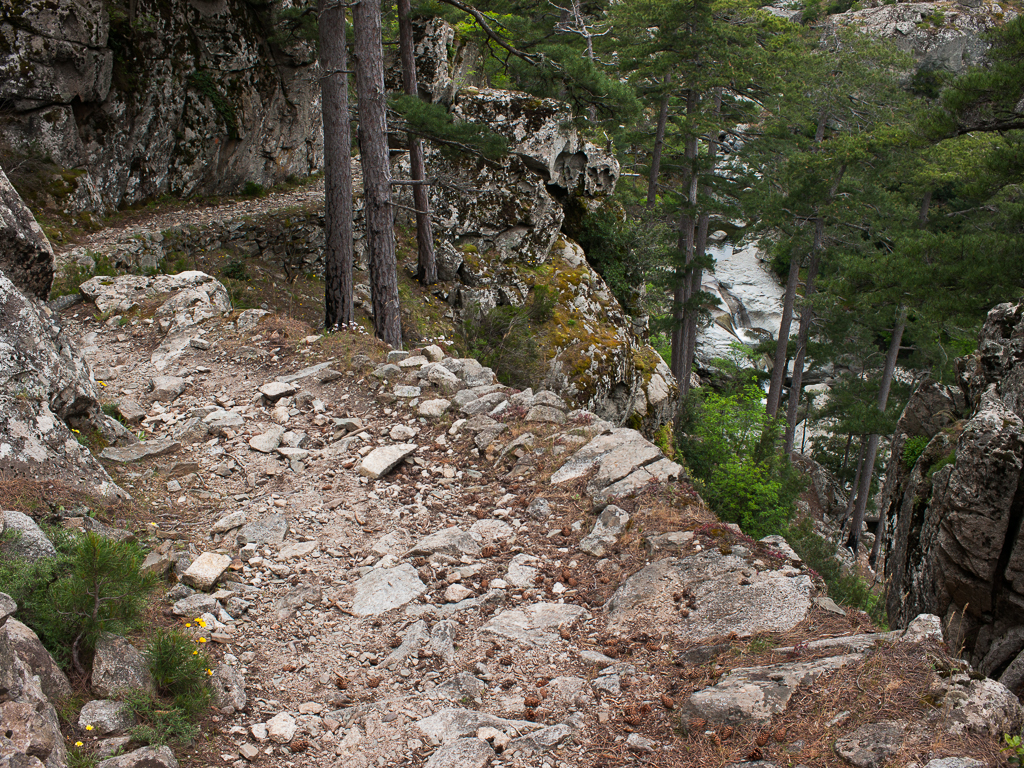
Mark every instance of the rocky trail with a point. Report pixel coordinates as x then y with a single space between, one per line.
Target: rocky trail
396 561
148 223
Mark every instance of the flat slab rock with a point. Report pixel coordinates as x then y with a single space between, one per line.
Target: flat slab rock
755 694
871 746
382 589
118 665
382 460
728 595
269 529
139 451
454 723
626 462
462 753
147 757
535 624
205 570
451 541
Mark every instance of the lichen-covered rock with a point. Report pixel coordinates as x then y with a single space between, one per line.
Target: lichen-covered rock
28 719
25 254
952 520
947 39
197 103
46 390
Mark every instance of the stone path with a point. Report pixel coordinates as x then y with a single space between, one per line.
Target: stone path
194 214
392 570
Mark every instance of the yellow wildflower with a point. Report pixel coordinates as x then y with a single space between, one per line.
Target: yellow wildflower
78 744
88 727
202 639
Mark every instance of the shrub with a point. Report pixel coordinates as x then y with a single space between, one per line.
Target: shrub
235 270
731 449
179 667
844 587
253 189
103 590
504 339
159 723
913 449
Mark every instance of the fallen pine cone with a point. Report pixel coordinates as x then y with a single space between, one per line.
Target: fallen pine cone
763 738
373 682
395 641
340 682
697 724
755 754
530 714
666 702
631 715
532 701
298 745
780 734
489 551
645 708
727 731
480 514
564 633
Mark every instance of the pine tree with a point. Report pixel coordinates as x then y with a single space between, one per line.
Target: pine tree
376 167
338 251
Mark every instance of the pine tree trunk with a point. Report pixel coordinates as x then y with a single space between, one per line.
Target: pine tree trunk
659 143
338 253
782 343
852 499
700 248
373 152
687 238
427 272
869 460
803 336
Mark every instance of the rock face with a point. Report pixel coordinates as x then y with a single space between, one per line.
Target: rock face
31 733
25 254
182 98
953 517
949 41
46 388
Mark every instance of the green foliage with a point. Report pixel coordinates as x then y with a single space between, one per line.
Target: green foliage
160 723
913 449
945 461
253 189
235 270
730 447
844 587
203 84
504 339
79 759
434 122
73 274
179 666
102 590
28 581
1014 749
663 439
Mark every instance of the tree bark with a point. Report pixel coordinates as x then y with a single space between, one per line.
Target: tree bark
687 239
700 248
852 499
869 460
659 143
427 271
782 343
373 152
803 336
338 253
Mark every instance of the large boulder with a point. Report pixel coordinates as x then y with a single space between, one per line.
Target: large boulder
29 726
197 103
953 503
46 390
25 254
